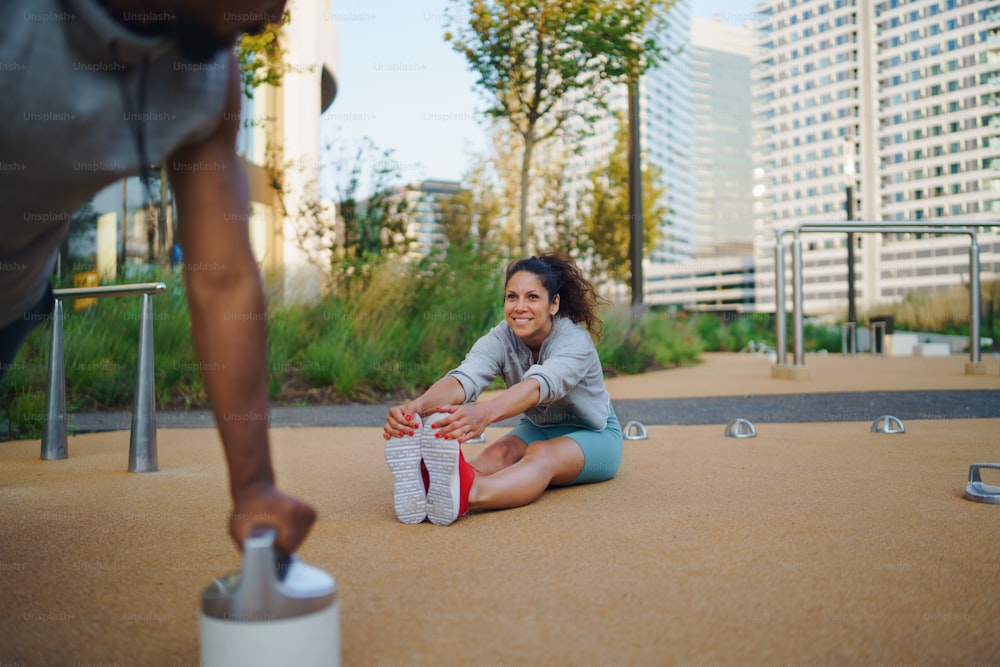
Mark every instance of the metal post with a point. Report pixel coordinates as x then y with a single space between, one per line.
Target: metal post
797 301
974 302
54 436
142 444
852 315
877 332
780 335
847 333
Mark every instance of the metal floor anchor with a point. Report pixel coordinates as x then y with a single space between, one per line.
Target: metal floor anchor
635 431
888 424
740 428
979 492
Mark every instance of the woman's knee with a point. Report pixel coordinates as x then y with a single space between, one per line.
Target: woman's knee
562 458
501 454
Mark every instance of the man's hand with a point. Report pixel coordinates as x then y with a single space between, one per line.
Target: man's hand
262 504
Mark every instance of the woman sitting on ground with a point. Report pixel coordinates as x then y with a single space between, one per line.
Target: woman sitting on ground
568 433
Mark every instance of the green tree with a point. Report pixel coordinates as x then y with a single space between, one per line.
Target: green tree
535 58
474 215
554 205
261 57
366 228
606 209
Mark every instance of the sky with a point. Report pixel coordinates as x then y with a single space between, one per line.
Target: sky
408 90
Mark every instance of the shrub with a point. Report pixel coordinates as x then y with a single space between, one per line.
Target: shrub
651 341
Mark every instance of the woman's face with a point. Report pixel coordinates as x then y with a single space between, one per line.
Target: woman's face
528 309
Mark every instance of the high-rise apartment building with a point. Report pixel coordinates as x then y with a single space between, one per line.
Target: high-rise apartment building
939 133
905 95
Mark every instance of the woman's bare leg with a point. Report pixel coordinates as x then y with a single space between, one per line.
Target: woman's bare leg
545 462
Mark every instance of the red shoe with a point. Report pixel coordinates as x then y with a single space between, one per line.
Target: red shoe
409 488
451 479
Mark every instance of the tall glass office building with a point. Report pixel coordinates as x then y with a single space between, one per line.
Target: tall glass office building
667 117
721 57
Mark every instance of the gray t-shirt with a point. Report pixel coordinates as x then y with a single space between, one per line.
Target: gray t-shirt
66 125
568 371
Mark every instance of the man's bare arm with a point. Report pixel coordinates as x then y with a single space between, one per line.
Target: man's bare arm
229 322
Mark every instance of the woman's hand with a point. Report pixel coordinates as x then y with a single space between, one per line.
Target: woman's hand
463 422
401 421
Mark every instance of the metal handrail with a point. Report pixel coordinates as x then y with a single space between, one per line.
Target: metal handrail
142 443
884 227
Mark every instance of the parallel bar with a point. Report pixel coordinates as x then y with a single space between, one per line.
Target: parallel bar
109 290
897 227
884 228
142 445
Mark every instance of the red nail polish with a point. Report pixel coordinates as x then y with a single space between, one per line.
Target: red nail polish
409 417
434 425
437 435
400 434
411 432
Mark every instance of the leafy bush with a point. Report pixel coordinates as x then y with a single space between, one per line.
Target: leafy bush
652 340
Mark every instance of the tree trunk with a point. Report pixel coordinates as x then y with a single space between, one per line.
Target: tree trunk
161 217
150 234
529 144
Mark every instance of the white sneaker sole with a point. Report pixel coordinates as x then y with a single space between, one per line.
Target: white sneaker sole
441 459
403 457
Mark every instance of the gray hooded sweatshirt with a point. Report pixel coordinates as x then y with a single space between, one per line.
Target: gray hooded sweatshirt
568 371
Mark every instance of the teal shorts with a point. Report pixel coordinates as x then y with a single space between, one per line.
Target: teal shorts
602 450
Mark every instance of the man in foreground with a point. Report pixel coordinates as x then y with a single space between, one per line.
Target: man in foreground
95 90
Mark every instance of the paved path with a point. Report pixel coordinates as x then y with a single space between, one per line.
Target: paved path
784 408
723 387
